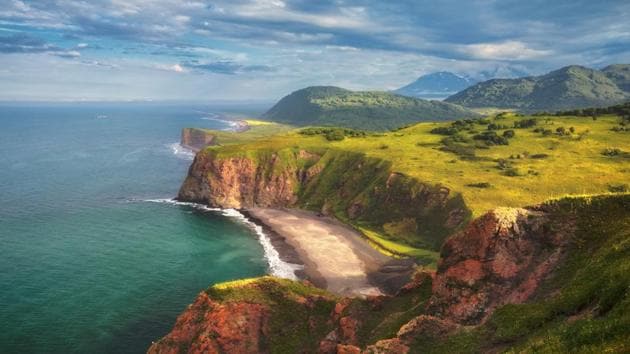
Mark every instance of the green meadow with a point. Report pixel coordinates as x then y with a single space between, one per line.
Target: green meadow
531 169
503 160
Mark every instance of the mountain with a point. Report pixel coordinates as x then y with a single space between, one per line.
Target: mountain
619 74
368 110
567 88
435 85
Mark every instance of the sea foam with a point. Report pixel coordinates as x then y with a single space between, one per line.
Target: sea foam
181 152
277 267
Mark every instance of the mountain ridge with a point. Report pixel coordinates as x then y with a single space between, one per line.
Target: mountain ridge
435 85
569 87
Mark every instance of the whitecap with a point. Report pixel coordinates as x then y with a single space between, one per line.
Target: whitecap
181 152
232 124
277 267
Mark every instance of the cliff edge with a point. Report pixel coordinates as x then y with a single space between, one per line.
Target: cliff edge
553 278
196 139
359 190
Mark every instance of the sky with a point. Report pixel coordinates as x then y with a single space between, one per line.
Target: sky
121 50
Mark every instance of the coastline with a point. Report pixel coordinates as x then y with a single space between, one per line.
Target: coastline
303 245
335 256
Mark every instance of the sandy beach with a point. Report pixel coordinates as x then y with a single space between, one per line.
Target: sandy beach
335 256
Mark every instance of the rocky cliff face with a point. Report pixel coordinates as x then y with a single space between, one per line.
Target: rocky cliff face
196 139
347 185
500 258
252 316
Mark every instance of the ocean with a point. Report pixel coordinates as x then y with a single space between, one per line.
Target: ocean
95 256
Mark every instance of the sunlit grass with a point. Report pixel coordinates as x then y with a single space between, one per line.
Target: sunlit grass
571 166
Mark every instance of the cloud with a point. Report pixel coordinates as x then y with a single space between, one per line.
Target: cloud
510 50
22 43
67 54
361 44
226 67
177 68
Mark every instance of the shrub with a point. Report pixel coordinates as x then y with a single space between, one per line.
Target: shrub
335 135
525 123
444 131
539 156
494 126
512 172
491 138
479 185
618 188
612 152
464 151
509 134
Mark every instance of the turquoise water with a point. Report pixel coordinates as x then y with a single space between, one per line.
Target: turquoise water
87 264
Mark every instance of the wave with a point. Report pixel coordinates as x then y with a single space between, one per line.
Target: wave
181 152
277 267
232 124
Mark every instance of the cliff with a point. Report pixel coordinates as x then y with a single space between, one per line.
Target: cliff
551 278
354 188
196 139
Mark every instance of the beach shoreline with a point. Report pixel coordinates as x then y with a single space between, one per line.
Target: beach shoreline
334 256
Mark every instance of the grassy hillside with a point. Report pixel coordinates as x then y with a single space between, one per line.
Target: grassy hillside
567 88
333 106
537 164
257 129
506 160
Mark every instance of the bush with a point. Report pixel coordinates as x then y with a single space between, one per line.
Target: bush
444 131
509 134
612 152
512 172
494 126
335 135
539 156
479 185
618 188
525 123
491 138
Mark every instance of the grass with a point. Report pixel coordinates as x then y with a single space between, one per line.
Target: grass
394 248
257 129
531 169
571 166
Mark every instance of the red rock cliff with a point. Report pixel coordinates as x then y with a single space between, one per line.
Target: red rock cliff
501 257
196 139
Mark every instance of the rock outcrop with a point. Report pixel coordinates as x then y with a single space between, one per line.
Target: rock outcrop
208 326
499 258
253 316
347 185
196 139
502 257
